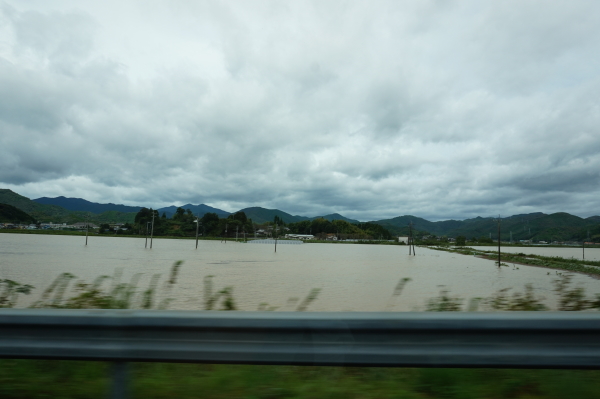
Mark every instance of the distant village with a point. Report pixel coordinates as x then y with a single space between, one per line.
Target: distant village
266 232
80 226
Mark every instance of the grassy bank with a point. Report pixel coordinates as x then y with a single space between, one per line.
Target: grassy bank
70 379
552 262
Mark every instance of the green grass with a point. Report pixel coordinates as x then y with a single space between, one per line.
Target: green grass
74 379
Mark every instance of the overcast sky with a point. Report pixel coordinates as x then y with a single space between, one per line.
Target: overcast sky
373 109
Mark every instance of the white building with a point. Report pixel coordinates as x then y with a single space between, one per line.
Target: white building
300 236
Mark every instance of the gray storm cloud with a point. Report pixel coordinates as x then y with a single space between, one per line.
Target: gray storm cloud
438 109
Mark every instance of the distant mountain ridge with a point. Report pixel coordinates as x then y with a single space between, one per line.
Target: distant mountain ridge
559 226
263 215
538 226
79 204
82 205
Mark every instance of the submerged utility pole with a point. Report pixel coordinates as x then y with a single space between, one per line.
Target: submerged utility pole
411 241
499 258
87 224
197 225
275 237
152 231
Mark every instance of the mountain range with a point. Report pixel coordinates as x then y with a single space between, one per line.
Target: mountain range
540 226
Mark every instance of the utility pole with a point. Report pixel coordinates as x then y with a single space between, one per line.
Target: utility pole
499 259
87 223
275 237
152 231
197 225
411 242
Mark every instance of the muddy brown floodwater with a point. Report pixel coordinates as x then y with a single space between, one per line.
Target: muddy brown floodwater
351 277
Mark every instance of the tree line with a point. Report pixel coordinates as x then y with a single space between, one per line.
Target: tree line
183 224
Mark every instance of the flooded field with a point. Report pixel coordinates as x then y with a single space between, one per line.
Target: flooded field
351 277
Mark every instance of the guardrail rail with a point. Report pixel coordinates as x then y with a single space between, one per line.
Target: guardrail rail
373 339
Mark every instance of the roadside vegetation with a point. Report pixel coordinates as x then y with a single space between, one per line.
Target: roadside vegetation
77 379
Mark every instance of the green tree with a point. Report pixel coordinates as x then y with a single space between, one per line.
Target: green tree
240 217
179 214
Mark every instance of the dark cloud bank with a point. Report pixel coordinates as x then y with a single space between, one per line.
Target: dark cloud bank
438 109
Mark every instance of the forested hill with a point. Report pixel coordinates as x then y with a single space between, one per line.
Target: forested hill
200 210
336 216
53 213
12 214
537 226
263 215
38 211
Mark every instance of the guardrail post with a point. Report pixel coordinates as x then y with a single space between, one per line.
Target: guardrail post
120 376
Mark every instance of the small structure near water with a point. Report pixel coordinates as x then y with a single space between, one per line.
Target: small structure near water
279 242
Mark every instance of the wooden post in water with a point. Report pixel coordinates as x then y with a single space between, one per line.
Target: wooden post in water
152 231
197 226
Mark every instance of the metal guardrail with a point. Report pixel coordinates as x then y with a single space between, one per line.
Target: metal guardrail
453 339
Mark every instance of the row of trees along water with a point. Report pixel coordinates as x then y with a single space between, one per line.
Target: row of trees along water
183 224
